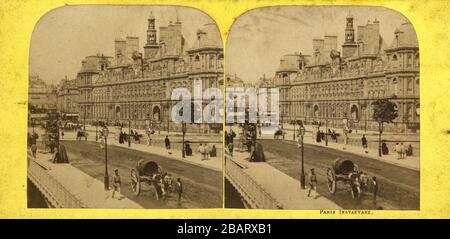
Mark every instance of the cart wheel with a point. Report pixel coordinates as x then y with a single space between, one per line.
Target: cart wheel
331 181
135 183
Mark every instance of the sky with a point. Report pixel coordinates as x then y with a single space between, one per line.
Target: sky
260 37
63 37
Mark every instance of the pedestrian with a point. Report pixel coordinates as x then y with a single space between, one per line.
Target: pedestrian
364 143
121 135
28 139
168 183
384 148
312 180
62 134
207 151
364 180
188 149
409 151
167 143
398 150
375 189
202 151
34 149
213 152
136 137
149 136
402 150
45 142
226 138
102 140
179 189
117 183
318 137
230 148
34 137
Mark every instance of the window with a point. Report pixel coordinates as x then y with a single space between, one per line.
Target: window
395 86
220 61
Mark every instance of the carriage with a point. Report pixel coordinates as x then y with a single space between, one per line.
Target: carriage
278 133
348 172
145 171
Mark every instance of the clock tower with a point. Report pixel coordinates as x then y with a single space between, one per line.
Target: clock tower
349 46
151 47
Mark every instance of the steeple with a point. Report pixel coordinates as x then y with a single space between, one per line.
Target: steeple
349 30
349 46
151 47
151 31
178 20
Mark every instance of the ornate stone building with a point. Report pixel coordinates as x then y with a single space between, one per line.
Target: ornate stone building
41 97
67 98
333 88
137 87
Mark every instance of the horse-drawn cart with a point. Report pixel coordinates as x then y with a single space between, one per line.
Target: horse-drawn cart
346 171
146 171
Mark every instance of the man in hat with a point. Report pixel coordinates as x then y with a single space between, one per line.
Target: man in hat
116 183
312 180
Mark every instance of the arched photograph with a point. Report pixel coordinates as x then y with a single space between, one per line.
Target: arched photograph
101 128
345 81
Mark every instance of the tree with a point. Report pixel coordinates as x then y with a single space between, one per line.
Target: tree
384 111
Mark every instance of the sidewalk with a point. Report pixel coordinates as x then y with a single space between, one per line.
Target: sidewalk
212 163
392 158
409 162
196 159
281 186
85 188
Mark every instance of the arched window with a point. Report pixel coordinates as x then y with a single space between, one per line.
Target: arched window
220 61
316 111
394 61
354 112
416 61
395 86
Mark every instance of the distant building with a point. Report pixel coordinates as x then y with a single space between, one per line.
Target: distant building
68 97
41 97
330 86
135 86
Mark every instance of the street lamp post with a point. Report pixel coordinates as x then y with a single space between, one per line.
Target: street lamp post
183 129
129 132
84 119
326 131
302 170
295 122
380 127
106 179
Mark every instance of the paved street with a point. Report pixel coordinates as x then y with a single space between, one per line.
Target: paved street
399 187
202 186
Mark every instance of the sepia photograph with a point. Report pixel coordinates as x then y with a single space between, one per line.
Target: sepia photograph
101 128
345 132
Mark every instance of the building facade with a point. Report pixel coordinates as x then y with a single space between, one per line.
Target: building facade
67 97
334 88
41 97
136 88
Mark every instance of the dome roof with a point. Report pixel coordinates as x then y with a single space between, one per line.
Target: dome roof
208 36
405 36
